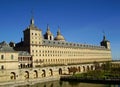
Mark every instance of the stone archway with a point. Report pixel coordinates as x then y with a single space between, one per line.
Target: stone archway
26 75
60 71
68 70
88 68
51 72
35 74
83 68
43 73
12 75
91 67
50 37
79 69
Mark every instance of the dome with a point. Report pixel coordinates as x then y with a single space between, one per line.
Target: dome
59 36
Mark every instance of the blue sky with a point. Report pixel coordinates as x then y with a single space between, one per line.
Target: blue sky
81 21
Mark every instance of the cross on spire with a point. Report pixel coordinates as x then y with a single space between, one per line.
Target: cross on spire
32 18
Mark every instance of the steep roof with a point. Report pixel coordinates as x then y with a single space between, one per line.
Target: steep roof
4 47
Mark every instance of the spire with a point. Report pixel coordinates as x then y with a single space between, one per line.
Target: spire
59 37
104 37
32 19
58 32
48 28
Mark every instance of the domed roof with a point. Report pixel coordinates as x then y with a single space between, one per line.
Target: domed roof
59 36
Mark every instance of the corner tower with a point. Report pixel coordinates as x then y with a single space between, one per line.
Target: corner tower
32 36
105 43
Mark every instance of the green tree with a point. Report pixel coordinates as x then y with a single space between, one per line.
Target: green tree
73 70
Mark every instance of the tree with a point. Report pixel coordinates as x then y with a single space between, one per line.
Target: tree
97 66
73 70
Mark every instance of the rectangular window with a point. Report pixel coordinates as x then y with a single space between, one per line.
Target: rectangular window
2 57
2 67
12 57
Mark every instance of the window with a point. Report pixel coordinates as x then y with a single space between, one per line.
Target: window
2 57
2 67
12 57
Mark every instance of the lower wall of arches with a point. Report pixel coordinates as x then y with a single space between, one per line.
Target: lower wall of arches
28 75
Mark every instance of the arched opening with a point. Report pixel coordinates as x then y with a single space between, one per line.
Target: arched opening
26 75
68 70
79 69
12 75
35 74
60 71
50 37
51 85
43 73
51 72
88 68
83 68
91 67
21 66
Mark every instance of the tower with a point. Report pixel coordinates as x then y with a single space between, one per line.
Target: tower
48 35
105 42
32 36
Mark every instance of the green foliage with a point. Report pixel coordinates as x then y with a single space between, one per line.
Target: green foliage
106 66
73 70
103 72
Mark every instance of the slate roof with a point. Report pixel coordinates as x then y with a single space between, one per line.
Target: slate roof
69 44
23 53
4 47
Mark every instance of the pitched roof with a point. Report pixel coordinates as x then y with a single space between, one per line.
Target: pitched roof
4 47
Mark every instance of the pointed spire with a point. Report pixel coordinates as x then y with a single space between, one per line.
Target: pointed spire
58 32
48 28
104 37
32 19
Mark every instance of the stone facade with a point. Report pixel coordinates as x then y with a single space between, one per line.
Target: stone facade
41 57
25 60
8 57
47 50
35 75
